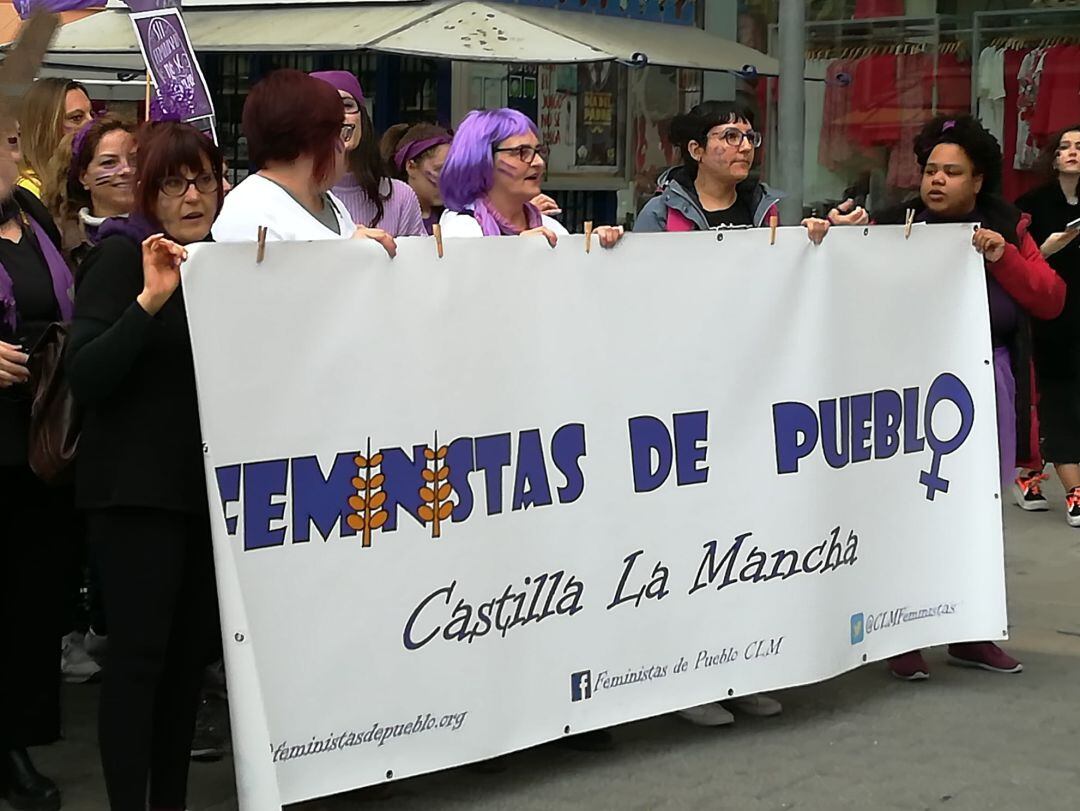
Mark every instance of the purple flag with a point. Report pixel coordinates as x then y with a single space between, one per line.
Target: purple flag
27 7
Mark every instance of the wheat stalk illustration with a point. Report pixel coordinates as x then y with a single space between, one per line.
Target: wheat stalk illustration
367 504
436 492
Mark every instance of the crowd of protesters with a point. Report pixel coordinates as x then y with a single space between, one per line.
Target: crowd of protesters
95 217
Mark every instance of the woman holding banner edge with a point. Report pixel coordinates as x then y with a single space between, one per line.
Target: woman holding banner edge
139 474
961 179
297 140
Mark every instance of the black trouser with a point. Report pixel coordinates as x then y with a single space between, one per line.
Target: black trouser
157 575
31 582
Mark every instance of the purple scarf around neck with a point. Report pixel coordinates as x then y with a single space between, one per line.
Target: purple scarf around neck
62 282
494 224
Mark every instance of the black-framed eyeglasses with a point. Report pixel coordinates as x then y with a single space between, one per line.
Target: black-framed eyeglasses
177 186
734 137
352 106
527 154
347 132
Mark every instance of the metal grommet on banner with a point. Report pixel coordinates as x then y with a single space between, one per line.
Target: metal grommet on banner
731 691
719 236
773 222
239 637
260 254
588 236
436 231
389 774
566 729
909 220
866 232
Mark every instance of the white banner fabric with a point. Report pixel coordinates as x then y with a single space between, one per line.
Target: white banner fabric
465 506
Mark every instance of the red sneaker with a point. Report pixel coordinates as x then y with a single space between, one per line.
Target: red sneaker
984 655
909 666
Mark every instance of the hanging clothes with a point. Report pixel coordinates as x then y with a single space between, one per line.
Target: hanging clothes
875 105
1057 104
1014 181
914 74
991 91
1027 149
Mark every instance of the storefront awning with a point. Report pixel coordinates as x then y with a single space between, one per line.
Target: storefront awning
452 29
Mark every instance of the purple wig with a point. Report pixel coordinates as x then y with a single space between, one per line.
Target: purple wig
468 173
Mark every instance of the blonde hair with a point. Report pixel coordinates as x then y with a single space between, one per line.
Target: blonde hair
41 121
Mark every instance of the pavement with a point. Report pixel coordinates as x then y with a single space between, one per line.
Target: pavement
962 741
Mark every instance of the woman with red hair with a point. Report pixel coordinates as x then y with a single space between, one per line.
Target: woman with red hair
296 138
139 475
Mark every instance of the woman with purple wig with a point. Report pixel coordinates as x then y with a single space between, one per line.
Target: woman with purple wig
492 176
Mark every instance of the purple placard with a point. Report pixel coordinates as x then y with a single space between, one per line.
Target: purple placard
170 58
27 7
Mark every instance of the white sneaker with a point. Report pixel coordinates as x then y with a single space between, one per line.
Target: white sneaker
758 704
76 664
708 715
1072 507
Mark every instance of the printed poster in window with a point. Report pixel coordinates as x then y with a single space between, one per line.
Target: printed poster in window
598 116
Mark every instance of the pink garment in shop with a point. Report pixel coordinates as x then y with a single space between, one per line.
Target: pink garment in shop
1057 104
874 117
878 8
914 87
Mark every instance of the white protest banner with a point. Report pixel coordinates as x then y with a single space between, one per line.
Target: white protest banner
465 506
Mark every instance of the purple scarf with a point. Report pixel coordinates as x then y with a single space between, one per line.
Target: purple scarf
62 281
135 227
494 224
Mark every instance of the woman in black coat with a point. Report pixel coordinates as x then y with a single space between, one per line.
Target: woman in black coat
140 475
1052 208
35 290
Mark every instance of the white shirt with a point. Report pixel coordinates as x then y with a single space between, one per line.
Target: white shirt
465 225
257 201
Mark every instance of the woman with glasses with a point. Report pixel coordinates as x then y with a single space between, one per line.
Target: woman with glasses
50 109
372 197
713 188
297 141
139 474
492 176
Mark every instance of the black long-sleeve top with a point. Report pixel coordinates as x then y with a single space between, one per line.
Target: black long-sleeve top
35 307
133 373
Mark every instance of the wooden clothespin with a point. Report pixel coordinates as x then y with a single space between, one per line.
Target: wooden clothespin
261 253
909 220
588 236
436 231
773 222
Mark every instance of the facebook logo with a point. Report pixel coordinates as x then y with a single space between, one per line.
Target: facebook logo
581 685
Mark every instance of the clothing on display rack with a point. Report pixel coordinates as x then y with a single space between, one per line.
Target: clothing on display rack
876 101
1027 90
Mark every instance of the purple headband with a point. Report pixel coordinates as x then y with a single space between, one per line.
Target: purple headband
77 144
414 148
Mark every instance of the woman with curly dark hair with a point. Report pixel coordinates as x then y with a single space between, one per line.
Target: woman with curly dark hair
1055 223
961 182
